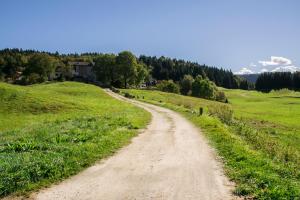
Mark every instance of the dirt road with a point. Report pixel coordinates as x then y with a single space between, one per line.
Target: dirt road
169 160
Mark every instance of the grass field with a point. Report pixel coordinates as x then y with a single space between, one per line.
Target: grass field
259 144
51 131
276 113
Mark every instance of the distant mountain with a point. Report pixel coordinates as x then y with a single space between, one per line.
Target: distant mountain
249 77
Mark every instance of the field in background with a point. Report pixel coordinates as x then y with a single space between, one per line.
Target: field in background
256 135
276 113
51 131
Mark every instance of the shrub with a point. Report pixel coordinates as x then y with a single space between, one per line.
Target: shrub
223 112
127 95
186 85
32 78
168 86
283 91
203 88
115 90
220 96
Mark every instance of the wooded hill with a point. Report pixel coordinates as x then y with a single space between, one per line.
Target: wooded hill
14 62
164 68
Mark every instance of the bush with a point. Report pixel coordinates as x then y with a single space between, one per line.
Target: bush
186 85
220 96
115 90
223 112
127 95
282 91
204 88
32 78
168 86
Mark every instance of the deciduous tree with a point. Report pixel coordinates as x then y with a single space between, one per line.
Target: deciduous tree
41 64
106 69
186 85
127 67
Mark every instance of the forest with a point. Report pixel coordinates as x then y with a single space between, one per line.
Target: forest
14 62
164 68
278 80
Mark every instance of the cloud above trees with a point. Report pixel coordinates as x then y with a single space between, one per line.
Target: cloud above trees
275 61
275 64
245 70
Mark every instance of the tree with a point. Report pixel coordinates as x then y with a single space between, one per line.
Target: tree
127 67
276 80
10 67
142 74
208 89
204 88
296 80
244 85
196 86
2 64
168 86
65 69
41 64
106 69
186 85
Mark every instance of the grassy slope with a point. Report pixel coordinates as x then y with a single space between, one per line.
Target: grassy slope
260 151
51 131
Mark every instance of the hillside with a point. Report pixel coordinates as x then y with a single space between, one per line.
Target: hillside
51 131
258 142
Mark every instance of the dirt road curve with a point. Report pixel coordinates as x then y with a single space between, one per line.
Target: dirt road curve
169 160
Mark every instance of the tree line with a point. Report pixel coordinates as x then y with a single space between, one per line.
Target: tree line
164 68
30 66
125 69
39 66
278 80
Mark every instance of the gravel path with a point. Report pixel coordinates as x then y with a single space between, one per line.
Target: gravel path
170 159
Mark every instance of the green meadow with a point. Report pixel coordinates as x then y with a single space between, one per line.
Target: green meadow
276 113
256 135
51 131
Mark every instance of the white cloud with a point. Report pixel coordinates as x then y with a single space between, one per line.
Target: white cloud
276 61
290 68
276 64
263 70
244 70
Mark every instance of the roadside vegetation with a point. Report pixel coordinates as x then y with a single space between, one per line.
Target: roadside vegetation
198 87
51 131
257 141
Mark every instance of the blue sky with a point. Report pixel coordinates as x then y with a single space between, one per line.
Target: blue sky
232 34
